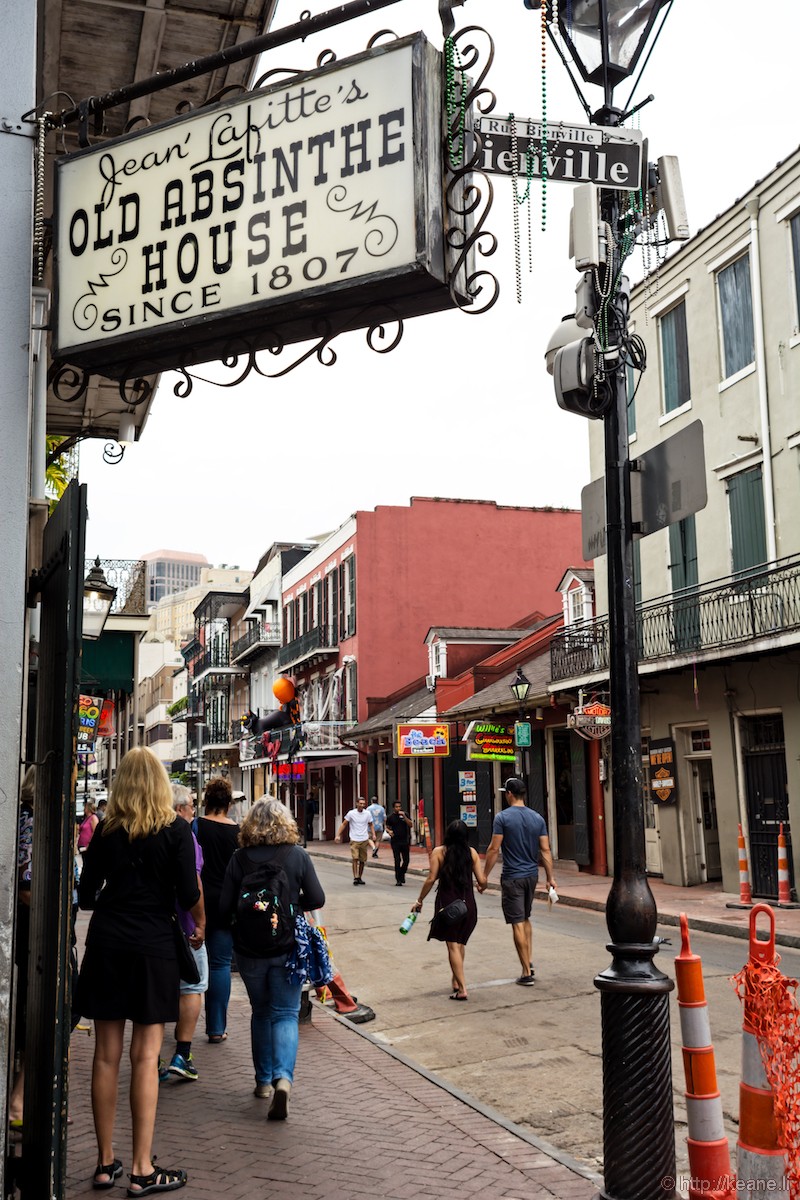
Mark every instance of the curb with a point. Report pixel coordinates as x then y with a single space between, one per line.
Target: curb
491 1114
701 924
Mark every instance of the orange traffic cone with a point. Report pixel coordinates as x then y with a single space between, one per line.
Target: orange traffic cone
784 887
709 1156
745 892
761 1161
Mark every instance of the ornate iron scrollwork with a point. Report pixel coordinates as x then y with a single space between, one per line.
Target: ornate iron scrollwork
469 193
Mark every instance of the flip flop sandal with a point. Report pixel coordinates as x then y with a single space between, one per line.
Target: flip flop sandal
160 1179
455 996
216 1038
113 1170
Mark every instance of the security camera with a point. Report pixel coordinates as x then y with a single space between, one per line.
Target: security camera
568 331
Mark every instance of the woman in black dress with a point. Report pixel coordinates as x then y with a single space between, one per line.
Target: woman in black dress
140 863
218 837
454 864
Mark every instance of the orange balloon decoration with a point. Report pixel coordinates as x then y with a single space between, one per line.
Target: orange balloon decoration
283 690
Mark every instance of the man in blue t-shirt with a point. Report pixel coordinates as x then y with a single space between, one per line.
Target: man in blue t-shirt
522 834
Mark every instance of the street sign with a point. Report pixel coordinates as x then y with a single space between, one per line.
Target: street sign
668 485
522 733
610 158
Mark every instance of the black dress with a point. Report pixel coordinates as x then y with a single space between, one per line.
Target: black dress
459 931
129 969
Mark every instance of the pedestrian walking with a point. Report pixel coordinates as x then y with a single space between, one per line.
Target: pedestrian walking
270 852
521 833
87 827
378 814
398 826
191 999
359 822
134 870
217 835
455 913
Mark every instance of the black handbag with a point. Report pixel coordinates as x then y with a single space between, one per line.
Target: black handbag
183 952
453 912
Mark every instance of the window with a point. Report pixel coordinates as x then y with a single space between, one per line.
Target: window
736 315
675 358
794 226
683 567
576 601
630 379
701 740
748 527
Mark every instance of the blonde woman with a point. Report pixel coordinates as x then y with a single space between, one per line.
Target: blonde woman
140 863
269 835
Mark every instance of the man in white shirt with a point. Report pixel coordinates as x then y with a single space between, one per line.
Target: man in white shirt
359 819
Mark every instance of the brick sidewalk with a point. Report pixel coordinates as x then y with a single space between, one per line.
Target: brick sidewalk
417 1136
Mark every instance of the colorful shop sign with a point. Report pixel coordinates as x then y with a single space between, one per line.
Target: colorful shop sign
89 710
286 772
252 222
422 739
662 770
489 742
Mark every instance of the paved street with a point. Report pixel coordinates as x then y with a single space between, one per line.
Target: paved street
533 1054
500 1095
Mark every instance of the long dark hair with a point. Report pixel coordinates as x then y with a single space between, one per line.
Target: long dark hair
456 869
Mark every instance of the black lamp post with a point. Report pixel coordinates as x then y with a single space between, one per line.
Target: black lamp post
606 38
98 596
519 689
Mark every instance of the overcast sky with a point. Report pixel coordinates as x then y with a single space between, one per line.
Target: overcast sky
463 407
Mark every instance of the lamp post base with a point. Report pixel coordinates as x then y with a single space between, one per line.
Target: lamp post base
638 1119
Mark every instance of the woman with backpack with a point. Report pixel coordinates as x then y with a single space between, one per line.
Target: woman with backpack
455 913
268 881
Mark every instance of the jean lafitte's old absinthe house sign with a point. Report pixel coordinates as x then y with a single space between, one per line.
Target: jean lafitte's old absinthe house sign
251 220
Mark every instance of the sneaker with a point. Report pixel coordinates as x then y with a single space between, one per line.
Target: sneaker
163 1070
526 980
356 882
183 1067
262 1091
374 853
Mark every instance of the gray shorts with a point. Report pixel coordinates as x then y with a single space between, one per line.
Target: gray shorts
197 989
516 897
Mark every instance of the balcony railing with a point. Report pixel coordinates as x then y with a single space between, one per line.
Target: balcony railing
217 656
760 603
264 633
316 640
127 575
325 735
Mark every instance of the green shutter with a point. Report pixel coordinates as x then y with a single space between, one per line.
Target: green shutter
748 527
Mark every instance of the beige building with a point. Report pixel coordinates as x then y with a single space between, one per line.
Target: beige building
172 618
719 592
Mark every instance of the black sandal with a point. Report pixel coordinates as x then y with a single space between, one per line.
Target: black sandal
160 1179
113 1170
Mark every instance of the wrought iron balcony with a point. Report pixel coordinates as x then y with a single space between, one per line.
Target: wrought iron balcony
127 575
758 604
316 641
259 636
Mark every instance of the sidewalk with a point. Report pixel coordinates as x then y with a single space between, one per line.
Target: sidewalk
706 904
426 1138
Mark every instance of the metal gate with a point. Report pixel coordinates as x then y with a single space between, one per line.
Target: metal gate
767 799
42 1170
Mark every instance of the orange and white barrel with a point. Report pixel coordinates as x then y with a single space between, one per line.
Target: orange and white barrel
709 1154
745 891
784 887
761 1161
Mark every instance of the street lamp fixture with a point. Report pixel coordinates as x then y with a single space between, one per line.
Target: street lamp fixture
98 596
606 37
520 688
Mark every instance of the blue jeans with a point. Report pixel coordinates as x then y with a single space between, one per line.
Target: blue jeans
274 1031
219 943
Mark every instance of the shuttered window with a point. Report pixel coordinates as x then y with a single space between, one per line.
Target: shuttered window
795 228
748 527
675 358
736 315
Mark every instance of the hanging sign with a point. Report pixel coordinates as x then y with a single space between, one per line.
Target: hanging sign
106 726
247 224
423 739
489 742
610 158
591 721
88 719
662 770
466 781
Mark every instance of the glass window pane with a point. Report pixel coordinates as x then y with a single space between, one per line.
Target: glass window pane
736 315
795 226
675 358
